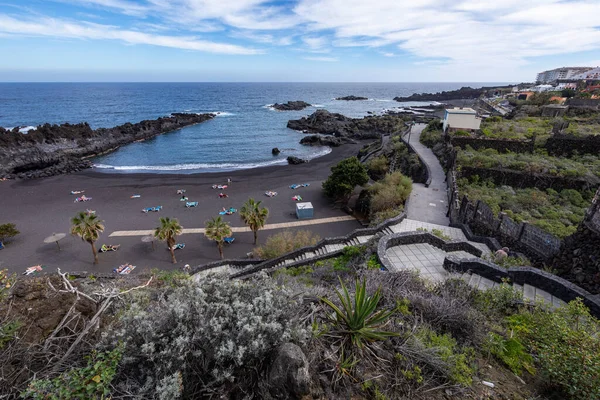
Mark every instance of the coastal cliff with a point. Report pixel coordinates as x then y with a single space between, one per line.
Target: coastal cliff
338 125
58 149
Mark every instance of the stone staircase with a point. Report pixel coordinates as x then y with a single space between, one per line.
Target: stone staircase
307 256
531 294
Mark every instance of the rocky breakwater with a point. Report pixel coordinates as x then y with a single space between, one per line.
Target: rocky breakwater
291 106
340 126
58 149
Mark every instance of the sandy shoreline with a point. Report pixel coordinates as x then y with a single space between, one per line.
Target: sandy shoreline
41 207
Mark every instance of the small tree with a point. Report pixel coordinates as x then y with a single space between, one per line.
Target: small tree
217 230
8 231
88 227
168 230
344 177
254 216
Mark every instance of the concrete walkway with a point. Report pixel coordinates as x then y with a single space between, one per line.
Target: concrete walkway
235 229
428 204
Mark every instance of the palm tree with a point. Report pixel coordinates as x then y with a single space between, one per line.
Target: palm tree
169 228
88 227
217 230
254 216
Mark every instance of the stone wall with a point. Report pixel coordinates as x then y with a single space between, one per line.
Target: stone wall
520 179
565 145
501 145
579 256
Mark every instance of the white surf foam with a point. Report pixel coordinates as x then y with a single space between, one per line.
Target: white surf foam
319 152
222 113
26 129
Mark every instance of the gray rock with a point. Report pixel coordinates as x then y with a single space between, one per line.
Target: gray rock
288 375
275 151
317 140
291 106
295 160
351 98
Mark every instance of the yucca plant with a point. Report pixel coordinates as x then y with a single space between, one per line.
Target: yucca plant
358 321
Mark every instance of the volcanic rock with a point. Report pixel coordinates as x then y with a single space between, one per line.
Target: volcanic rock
318 140
295 160
351 98
291 106
59 149
275 151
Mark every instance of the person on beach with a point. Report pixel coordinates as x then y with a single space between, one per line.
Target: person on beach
229 181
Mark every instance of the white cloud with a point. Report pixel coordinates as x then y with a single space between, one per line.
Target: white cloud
388 54
66 29
263 38
473 32
324 59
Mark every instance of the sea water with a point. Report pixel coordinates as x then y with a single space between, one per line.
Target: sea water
241 136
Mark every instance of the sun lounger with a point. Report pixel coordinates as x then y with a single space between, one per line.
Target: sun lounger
82 198
190 204
222 195
297 198
299 185
180 191
229 240
178 246
183 198
153 209
124 269
135 196
270 193
228 211
77 191
219 186
104 248
90 212
32 270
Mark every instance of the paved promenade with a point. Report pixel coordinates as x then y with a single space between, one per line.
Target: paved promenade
428 204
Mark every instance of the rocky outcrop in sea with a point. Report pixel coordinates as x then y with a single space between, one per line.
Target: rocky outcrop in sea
58 149
291 106
338 125
352 98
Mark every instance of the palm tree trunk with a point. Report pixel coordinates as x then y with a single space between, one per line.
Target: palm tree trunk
255 236
220 245
94 252
171 243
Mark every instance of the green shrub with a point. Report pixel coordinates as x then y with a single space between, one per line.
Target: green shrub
356 322
90 382
206 334
498 300
566 345
171 278
459 360
378 166
389 193
8 231
381 216
511 352
284 242
344 177
432 134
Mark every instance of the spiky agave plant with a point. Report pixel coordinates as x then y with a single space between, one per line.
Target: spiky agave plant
358 321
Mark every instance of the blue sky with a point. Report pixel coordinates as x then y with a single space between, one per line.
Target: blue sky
295 40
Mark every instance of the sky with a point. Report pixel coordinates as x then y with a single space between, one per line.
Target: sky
295 40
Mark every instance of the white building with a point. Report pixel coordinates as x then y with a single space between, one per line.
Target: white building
560 73
461 119
591 74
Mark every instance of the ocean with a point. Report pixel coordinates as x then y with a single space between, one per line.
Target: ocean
240 137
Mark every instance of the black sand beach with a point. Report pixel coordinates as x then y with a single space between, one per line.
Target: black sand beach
40 207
